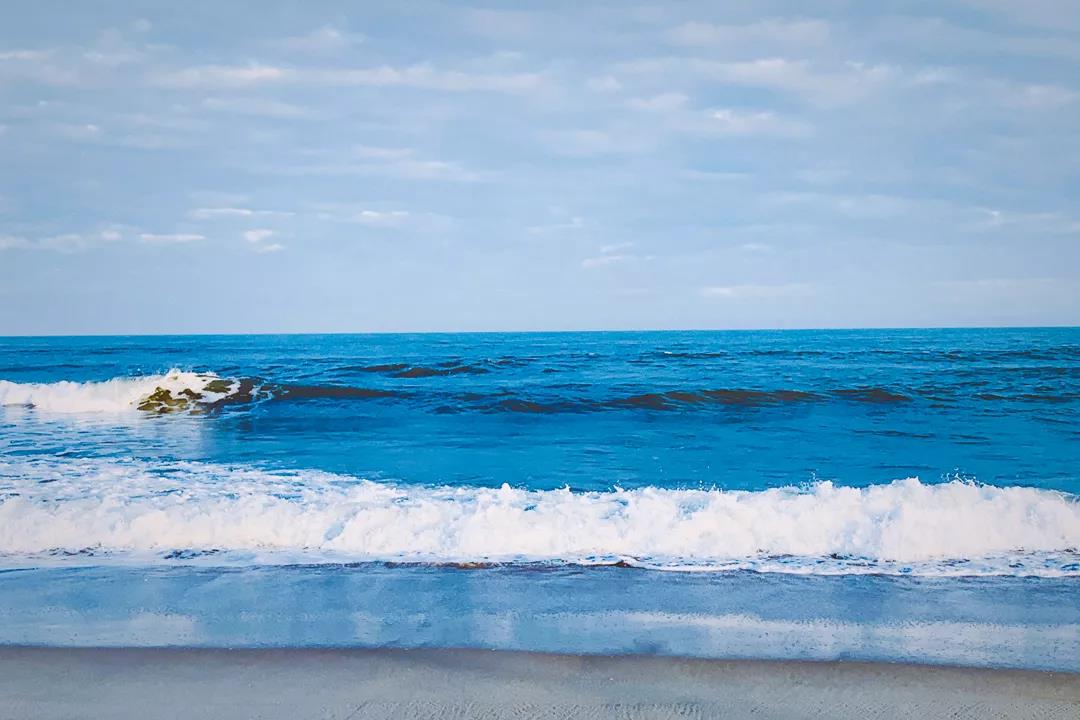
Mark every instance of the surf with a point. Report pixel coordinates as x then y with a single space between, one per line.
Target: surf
158 511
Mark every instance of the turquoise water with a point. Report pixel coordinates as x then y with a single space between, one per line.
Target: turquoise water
693 493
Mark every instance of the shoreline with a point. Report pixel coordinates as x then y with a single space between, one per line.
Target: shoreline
48 682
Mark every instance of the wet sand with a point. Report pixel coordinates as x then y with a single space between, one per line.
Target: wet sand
47 683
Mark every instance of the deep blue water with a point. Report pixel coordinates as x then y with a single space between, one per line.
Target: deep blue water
847 467
595 410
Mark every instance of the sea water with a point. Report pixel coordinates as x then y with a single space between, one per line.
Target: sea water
885 494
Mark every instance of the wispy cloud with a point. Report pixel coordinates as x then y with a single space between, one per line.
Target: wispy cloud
403 163
604 260
615 254
728 121
66 242
24 55
739 292
256 106
223 76
326 39
421 76
817 83
663 103
771 33
170 238
257 236
381 218
210 213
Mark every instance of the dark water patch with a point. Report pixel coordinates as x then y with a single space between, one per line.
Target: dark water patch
540 408
743 398
1052 398
512 362
894 434
1048 398
442 370
332 392
759 397
874 395
383 368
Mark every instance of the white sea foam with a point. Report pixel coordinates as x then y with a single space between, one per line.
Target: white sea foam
139 509
116 395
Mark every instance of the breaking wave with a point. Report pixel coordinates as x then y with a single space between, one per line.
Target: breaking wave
168 512
180 389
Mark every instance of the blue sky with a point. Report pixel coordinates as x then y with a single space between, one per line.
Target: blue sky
332 166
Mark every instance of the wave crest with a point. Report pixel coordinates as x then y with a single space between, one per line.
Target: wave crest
906 526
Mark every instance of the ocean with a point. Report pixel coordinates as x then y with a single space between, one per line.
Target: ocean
906 495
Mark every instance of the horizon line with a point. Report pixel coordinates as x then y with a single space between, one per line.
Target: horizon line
541 332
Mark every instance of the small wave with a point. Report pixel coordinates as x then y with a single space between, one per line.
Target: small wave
194 510
871 395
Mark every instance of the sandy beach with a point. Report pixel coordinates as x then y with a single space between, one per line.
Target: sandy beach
46 683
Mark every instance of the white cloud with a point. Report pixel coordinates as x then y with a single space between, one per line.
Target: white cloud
603 84
756 291
415 76
255 106
662 103
381 218
604 261
755 247
327 39
257 236
500 24
774 33
426 77
68 243
1030 223
111 235
173 238
10 242
222 76
379 161
820 84
24 55
210 213
1038 96
574 223
587 143
77 131
729 121
611 255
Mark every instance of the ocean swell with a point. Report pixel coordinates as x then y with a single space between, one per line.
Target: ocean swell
165 512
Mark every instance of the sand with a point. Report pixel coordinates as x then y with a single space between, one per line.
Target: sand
46 683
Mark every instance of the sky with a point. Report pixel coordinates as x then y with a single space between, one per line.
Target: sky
434 166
